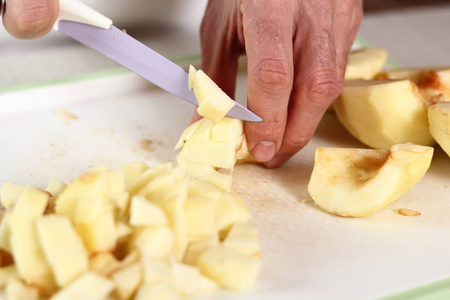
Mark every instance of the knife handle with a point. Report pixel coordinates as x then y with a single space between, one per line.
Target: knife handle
77 11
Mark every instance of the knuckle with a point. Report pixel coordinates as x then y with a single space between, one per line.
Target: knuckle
273 74
325 86
296 143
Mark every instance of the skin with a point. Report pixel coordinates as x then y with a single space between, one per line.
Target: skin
297 53
296 49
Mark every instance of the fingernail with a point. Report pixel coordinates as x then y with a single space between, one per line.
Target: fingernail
264 151
277 161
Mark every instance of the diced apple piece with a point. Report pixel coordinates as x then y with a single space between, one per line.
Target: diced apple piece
439 120
198 247
63 248
203 86
133 169
188 132
17 290
7 273
204 188
207 173
122 203
365 63
89 286
243 154
200 217
207 286
153 241
116 183
28 254
161 291
229 268
186 279
5 232
244 239
55 188
227 130
103 263
143 179
146 213
384 113
360 182
215 106
156 271
230 208
9 192
127 280
220 155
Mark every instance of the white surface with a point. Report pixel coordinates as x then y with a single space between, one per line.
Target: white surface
308 254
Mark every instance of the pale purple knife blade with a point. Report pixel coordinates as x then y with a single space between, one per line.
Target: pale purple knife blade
132 54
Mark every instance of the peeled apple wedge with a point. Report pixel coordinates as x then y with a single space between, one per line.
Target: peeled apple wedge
365 63
439 120
360 182
382 113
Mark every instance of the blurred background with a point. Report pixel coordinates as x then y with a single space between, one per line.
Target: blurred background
415 33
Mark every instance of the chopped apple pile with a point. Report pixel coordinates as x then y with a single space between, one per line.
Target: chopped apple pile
132 233
385 108
360 182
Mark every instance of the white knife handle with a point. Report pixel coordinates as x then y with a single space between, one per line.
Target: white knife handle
77 11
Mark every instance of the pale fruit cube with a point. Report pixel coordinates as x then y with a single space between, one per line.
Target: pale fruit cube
161 291
229 268
103 263
147 176
7 273
227 130
92 185
17 290
207 285
156 271
191 76
161 182
220 155
365 63
100 234
215 106
9 192
28 254
439 122
89 286
359 182
153 241
63 248
244 238
203 86
230 208
200 217
198 247
204 188
127 280
56 187
133 169
122 203
146 213
187 133
186 279
243 154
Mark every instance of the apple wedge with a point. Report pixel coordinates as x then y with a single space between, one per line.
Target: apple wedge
382 113
439 120
365 63
360 182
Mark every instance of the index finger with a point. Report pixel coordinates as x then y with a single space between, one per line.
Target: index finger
29 18
267 33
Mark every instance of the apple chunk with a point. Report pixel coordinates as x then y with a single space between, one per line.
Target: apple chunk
360 182
365 63
439 120
382 113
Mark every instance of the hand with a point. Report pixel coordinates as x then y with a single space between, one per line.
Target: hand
28 19
297 53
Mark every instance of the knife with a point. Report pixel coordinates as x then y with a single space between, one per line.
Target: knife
94 30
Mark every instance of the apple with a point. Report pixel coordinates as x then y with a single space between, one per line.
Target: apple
365 63
127 280
146 213
88 286
382 113
243 238
439 120
161 291
9 192
353 182
18 290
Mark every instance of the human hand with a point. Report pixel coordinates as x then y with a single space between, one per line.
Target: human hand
297 53
28 19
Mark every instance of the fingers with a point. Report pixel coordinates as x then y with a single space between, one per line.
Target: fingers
29 18
220 45
316 84
267 30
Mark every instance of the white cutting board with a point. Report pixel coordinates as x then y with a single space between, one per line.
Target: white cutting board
308 254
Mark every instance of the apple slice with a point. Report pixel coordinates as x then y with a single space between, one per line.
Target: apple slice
229 268
360 182
383 113
68 259
9 192
439 120
89 286
365 63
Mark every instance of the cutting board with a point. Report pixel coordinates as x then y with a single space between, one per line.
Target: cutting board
61 131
